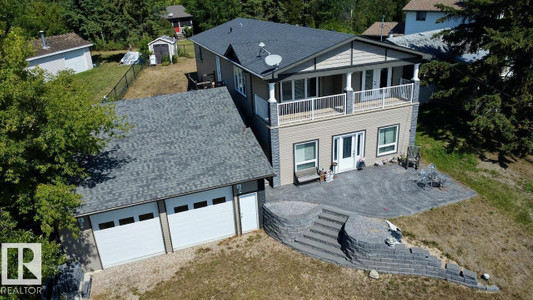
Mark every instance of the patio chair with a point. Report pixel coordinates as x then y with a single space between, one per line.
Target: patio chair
413 156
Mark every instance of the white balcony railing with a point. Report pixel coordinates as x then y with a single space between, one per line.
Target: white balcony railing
311 109
262 108
383 97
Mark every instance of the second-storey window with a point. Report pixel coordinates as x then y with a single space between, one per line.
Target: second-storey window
299 89
305 155
239 80
420 15
388 140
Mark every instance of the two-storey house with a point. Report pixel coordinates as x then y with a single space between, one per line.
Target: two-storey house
315 98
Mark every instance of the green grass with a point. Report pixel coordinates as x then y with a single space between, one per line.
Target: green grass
100 80
443 135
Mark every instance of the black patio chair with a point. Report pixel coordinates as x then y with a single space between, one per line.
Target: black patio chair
413 156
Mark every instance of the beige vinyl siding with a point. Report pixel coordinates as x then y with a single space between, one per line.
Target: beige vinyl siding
260 87
324 131
338 57
83 248
304 67
367 53
356 81
206 66
397 73
165 229
394 55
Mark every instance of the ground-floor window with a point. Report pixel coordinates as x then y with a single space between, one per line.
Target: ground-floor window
388 140
306 155
299 89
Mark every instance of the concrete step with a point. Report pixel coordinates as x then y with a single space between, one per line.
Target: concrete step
334 234
335 212
328 224
321 255
324 239
321 247
332 217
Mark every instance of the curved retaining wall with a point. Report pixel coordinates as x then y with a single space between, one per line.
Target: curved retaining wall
285 226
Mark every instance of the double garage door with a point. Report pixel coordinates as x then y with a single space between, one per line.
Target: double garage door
135 233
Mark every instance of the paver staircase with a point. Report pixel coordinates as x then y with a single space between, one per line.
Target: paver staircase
321 241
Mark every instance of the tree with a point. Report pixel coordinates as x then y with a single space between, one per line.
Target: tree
32 16
496 90
47 129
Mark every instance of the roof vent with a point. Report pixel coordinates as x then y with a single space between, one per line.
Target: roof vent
44 41
170 14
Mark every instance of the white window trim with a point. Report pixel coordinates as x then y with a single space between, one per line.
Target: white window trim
236 72
296 164
420 20
395 144
292 89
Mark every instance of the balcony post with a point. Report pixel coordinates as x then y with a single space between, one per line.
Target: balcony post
348 108
273 104
416 84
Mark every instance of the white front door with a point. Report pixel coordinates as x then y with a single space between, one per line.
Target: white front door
347 150
249 214
371 80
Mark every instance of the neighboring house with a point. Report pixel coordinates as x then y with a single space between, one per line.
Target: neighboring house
422 15
61 52
180 19
163 46
389 29
187 173
334 98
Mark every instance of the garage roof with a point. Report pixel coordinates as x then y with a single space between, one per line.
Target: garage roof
180 144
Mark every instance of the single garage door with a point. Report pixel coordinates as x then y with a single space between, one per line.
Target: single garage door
249 212
160 50
128 234
76 61
202 217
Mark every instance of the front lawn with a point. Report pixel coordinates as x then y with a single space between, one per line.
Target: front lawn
100 80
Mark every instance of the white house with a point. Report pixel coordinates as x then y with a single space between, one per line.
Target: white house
163 46
422 15
61 52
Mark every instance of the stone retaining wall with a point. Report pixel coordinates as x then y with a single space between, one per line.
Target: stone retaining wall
289 227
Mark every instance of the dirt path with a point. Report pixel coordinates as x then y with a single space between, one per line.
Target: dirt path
160 80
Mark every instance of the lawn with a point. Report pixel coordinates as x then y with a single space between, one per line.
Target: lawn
100 80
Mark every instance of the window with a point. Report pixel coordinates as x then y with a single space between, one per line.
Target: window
126 221
388 140
181 208
219 200
420 15
239 80
299 89
200 58
145 217
106 225
305 155
200 204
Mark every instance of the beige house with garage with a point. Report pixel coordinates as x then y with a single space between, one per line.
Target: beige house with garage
315 99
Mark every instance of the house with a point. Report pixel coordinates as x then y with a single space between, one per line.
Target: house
180 19
315 98
187 173
422 15
390 29
163 46
61 52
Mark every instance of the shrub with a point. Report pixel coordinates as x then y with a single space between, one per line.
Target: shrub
174 59
144 49
187 31
165 60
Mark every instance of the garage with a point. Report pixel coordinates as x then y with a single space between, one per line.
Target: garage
202 217
163 46
128 234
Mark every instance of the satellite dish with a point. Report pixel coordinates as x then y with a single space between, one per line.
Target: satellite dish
273 60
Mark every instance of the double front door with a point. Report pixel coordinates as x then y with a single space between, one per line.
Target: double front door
348 149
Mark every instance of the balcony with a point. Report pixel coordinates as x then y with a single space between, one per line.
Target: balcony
383 97
335 105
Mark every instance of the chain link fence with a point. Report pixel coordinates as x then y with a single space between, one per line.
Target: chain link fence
120 89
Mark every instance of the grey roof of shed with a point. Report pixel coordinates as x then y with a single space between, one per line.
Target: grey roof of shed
292 43
177 11
180 144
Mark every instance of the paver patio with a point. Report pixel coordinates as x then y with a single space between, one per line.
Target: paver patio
388 191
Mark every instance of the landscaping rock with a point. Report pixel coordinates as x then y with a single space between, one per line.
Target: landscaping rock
485 276
374 274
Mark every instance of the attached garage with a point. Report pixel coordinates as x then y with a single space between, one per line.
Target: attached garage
185 174
128 234
202 217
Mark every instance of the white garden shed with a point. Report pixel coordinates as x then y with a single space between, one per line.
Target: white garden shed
163 46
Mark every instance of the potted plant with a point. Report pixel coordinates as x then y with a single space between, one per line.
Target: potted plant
361 163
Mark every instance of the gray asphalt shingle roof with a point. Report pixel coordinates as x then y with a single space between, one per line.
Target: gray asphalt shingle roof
181 143
292 43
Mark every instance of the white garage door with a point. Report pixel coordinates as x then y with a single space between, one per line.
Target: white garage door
76 61
202 217
249 214
128 234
